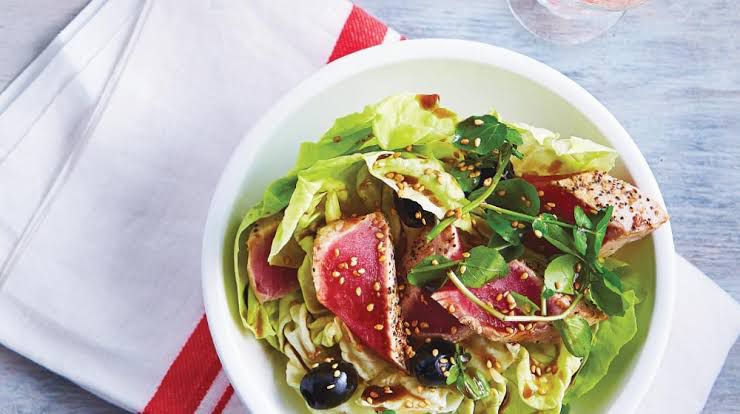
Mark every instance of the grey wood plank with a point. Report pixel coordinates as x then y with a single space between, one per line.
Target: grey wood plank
668 72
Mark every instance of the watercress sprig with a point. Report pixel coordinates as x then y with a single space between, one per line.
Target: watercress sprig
473 386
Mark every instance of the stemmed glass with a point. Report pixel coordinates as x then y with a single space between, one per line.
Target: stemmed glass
570 21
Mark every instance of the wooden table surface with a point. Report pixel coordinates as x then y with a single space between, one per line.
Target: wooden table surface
668 71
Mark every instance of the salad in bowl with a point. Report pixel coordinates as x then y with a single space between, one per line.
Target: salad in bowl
415 261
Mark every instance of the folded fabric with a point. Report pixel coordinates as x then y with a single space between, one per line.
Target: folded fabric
111 144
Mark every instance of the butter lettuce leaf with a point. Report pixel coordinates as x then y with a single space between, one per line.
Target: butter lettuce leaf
440 193
547 153
401 120
611 335
333 175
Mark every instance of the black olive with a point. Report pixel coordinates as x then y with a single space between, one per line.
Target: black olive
329 384
411 213
431 361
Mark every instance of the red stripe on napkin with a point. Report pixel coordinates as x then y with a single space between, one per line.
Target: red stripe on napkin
189 377
194 370
223 400
360 31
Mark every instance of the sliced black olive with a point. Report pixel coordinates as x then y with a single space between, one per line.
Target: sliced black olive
329 384
431 361
411 213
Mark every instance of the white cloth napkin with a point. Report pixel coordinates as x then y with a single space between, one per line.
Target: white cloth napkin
111 143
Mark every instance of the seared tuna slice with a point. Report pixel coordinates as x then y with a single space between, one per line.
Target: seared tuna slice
423 316
635 214
266 281
521 280
355 278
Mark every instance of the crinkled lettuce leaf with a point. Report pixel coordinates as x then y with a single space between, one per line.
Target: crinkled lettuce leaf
259 319
547 153
441 192
438 399
540 393
400 121
610 336
335 175
305 279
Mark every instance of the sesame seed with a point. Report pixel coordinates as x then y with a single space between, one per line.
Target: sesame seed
542 391
446 374
409 148
489 364
499 297
381 258
335 274
539 371
540 193
337 374
378 327
334 366
358 291
476 142
370 307
439 179
465 141
548 369
316 364
341 280
374 394
390 175
409 404
557 285
435 352
466 254
551 205
521 226
538 234
417 215
379 235
529 326
509 330
501 193
428 340
512 306
453 330
361 270
451 308
330 386
510 299
407 331
388 390
514 223
578 267
478 122
450 213
353 261
520 326
435 262
524 276
463 268
424 325
336 139
336 252
487 182
376 286
369 400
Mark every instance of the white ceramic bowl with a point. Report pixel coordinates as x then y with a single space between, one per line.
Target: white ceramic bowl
471 79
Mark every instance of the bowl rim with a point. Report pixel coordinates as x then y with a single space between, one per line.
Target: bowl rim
648 358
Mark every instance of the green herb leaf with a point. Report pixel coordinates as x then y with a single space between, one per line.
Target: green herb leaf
524 303
483 265
560 273
426 271
475 387
394 412
601 222
580 240
454 373
576 334
607 297
502 227
467 183
565 409
554 234
582 219
547 293
516 194
487 132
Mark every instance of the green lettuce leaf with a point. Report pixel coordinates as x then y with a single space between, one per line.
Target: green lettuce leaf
547 391
441 192
611 335
259 319
332 175
546 153
400 121
305 279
